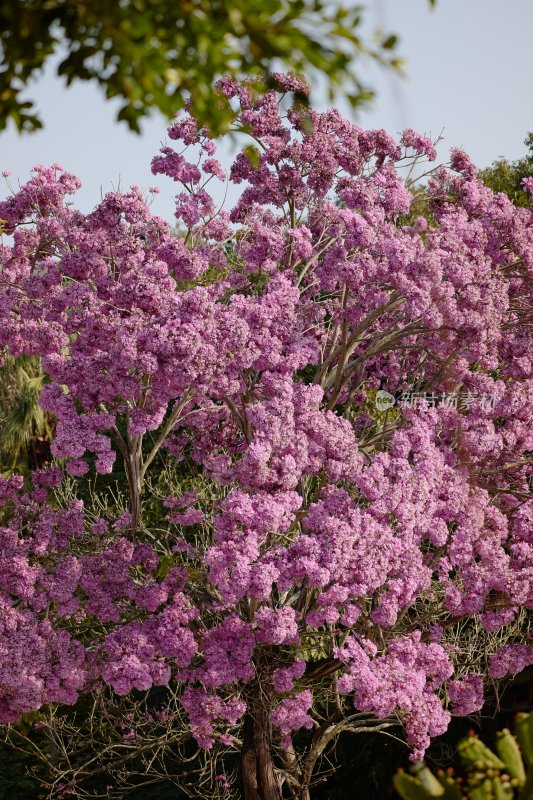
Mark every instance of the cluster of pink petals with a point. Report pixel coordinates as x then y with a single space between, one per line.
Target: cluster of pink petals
322 526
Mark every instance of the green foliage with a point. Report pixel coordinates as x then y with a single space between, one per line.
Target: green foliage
420 207
153 54
506 176
524 733
509 752
489 776
23 423
474 754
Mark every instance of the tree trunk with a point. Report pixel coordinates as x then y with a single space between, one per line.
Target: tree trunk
132 458
257 767
135 489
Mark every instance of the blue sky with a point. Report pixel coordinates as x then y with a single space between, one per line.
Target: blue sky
469 72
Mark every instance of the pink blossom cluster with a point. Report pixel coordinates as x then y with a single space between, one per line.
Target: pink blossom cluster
466 695
204 708
291 714
403 679
251 345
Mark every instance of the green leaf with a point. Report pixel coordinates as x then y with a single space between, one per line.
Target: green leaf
155 55
390 42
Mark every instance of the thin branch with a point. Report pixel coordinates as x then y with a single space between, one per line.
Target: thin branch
167 427
394 301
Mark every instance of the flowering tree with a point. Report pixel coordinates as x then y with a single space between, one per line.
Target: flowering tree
349 384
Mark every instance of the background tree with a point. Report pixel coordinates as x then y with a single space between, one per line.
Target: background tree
507 176
153 54
302 568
